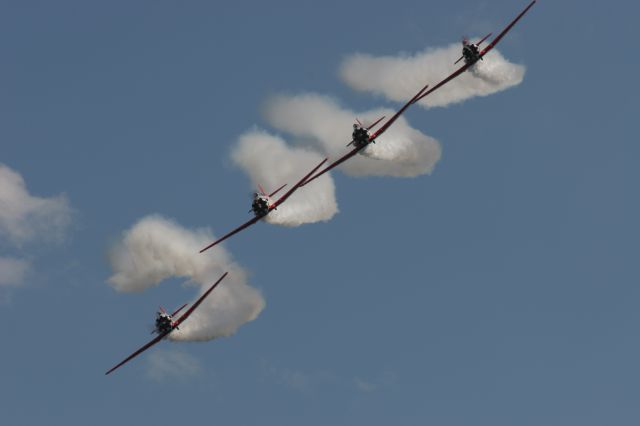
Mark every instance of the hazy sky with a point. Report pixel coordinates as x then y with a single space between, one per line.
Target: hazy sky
496 283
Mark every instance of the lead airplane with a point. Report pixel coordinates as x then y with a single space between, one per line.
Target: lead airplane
361 137
165 324
262 205
471 52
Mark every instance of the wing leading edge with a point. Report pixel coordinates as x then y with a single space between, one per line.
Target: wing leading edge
235 231
199 301
139 351
506 30
300 183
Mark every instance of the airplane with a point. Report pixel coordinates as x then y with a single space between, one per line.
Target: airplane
165 324
471 52
262 205
361 137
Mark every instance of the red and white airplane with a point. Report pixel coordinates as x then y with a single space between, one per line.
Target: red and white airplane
165 324
471 52
361 136
262 205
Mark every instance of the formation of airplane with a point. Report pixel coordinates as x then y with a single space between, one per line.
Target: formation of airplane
263 203
166 323
471 54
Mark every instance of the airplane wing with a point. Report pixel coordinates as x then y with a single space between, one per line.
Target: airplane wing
300 183
482 53
178 310
139 351
445 81
277 190
199 301
378 132
506 30
390 121
339 161
375 123
235 231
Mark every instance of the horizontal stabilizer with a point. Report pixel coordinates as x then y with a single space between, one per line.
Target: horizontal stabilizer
376 122
178 310
483 39
277 190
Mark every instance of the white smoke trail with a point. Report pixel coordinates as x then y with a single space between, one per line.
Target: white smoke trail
321 122
270 162
400 77
156 248
28 218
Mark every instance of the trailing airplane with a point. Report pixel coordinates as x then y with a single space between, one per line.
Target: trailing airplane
165 324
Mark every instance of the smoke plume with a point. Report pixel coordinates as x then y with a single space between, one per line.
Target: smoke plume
270 162
400 77
156 248
320 122
27 221
27 218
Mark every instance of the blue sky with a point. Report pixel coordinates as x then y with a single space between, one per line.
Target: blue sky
500 289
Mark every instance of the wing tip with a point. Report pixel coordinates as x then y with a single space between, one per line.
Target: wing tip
209 246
